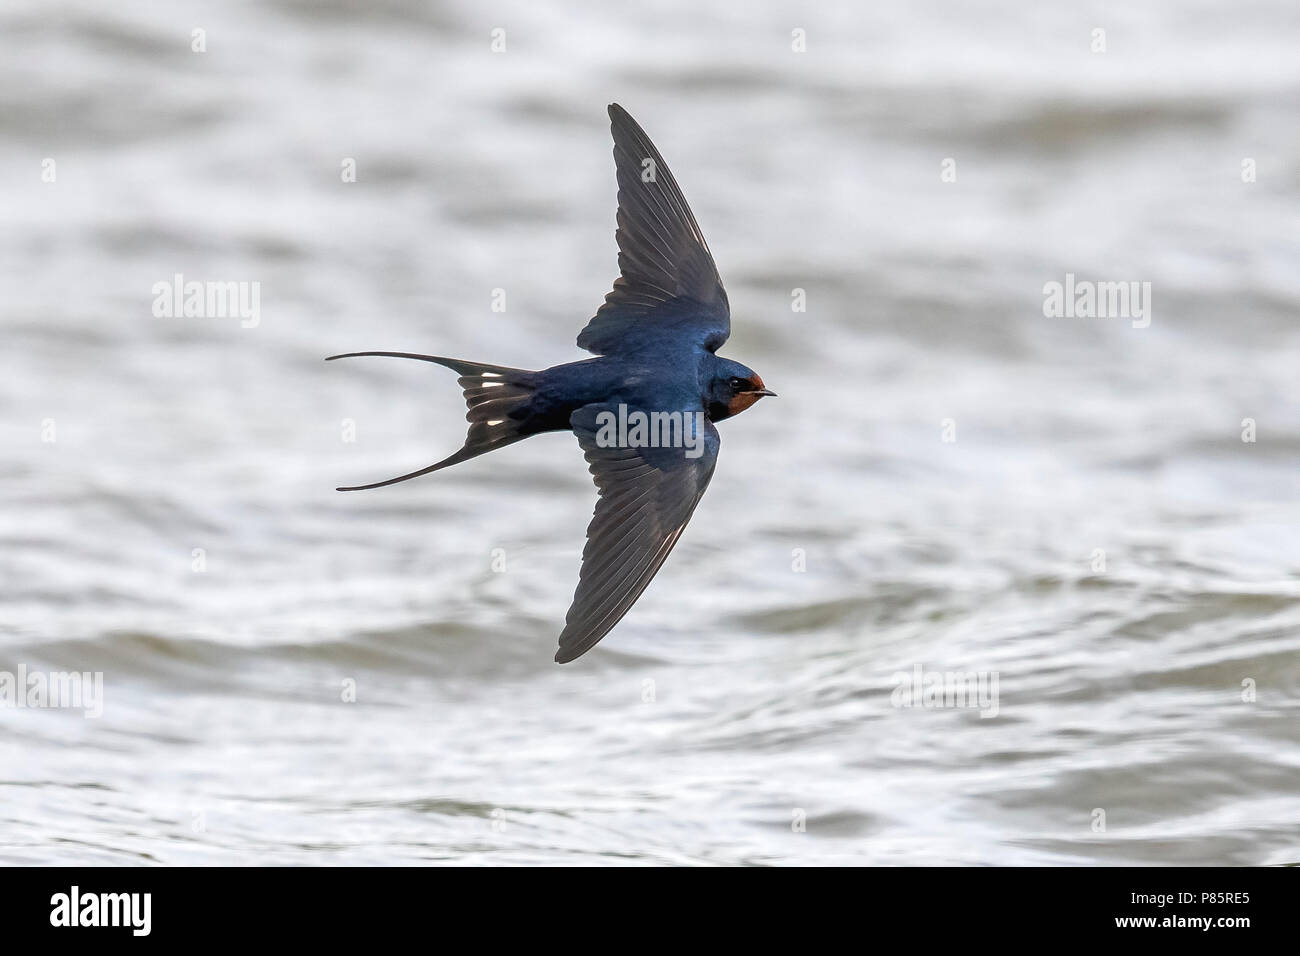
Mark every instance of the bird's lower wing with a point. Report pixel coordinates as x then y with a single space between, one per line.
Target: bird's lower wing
647 495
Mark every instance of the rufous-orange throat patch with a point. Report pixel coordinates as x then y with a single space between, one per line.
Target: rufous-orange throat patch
742 401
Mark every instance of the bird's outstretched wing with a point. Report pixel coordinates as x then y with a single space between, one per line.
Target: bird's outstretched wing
669 281
647 496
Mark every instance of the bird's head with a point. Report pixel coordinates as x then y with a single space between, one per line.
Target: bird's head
733 389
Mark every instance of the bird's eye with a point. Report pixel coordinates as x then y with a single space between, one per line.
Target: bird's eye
737 383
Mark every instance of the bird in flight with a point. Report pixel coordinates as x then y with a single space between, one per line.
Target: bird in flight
643 409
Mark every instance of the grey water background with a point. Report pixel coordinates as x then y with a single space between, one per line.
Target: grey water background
740 695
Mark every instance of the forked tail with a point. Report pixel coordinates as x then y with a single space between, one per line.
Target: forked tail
496 397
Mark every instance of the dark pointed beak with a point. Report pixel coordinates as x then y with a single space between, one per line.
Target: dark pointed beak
764 391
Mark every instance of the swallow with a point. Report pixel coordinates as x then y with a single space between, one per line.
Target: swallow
643 410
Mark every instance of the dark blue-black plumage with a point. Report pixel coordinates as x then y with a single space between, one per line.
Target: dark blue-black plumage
655 339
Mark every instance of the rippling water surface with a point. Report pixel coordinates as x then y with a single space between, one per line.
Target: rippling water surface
1098 536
